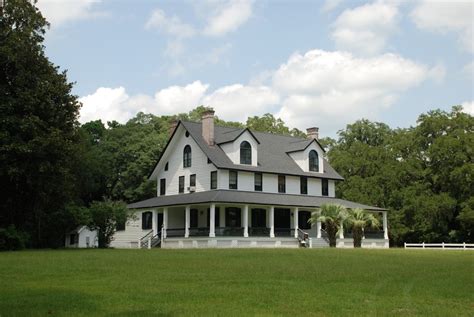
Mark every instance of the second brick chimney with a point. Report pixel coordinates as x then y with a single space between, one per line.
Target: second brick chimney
207 121
312 133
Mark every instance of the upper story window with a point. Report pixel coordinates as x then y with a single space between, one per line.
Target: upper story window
147 220
166 166
304 185
233 180
214 180
325 187
313 161
181 184
162 186
187 156
281 184
258 182
245 153
192 180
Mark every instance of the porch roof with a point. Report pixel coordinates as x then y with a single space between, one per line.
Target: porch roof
245 197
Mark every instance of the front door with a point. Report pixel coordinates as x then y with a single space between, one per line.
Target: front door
159 221
282 222
303 217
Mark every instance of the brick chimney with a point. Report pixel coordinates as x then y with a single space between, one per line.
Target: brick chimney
173 124
207 121
312 133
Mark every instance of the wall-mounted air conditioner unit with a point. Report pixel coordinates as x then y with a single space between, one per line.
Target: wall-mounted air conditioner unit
192 189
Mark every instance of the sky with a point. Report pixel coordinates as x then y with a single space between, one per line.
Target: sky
311 63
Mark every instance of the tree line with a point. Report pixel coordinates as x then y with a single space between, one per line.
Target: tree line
56 174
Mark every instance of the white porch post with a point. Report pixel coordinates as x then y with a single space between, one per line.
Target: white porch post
246 221
295 220
212 221
165 221
187 221
385 225
154 222
272 222
341 232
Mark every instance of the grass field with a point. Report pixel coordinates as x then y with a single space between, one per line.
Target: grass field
237 282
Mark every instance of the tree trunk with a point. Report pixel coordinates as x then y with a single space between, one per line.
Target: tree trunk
331 229
357 236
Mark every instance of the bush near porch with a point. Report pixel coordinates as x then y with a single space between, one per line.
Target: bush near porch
324 282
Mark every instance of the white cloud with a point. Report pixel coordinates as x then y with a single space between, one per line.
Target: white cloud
169 25
365 29
107 104
58 12
447 16
468 107
237 102
176 99
228 17
330 88
330 5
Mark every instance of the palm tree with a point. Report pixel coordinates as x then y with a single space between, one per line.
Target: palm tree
359 219
332 216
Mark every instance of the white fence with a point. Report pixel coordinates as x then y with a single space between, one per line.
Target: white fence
446 246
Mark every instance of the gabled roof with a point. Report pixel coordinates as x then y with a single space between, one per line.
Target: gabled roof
272 151
241 197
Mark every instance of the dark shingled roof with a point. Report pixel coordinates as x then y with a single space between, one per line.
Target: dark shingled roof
273 151
244 197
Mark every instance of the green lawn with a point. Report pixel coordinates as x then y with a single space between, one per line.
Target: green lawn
237 282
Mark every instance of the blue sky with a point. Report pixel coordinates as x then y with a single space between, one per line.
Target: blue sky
312 63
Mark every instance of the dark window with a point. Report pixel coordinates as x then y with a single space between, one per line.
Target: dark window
194 218
181 184
304 185
147 220
325 187
192 180
216 219
313 161
166 166
187 134
258 182
72 239
245 153
214 180
233 217
187 156
209 161
120 226
281 184
162 186
259 218
303 217
233 180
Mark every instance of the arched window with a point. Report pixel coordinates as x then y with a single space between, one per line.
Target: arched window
245 153
187 156
313 161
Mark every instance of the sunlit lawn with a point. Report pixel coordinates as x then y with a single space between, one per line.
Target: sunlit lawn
237 282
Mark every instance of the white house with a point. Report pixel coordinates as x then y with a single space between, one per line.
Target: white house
82 237
233 187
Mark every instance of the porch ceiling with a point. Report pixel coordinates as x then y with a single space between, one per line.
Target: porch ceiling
244 197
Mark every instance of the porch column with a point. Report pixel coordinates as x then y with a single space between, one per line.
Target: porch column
246 221
187 221
154 222
385 225
165 221
295 220
212 221
271 217
318 229
341 233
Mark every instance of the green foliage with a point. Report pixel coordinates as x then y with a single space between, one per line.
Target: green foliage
104 215
358 219
268 123
333 216
12 239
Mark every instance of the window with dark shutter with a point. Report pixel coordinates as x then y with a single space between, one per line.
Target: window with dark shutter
162 186
325 187
214 180
304 185
258 182
233 180
181 184
281 184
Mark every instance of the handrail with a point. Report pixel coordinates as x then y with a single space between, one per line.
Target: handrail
324 235
142 242
303 237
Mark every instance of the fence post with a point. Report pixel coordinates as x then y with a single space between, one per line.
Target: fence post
423 244
310 243
405 245
464 245
442 243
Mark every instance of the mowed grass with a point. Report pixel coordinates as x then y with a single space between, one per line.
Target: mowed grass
302 282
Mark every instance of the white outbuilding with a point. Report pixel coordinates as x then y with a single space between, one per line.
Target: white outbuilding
82 237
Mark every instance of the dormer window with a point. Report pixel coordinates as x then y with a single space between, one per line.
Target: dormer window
187 156
245 153
313 161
